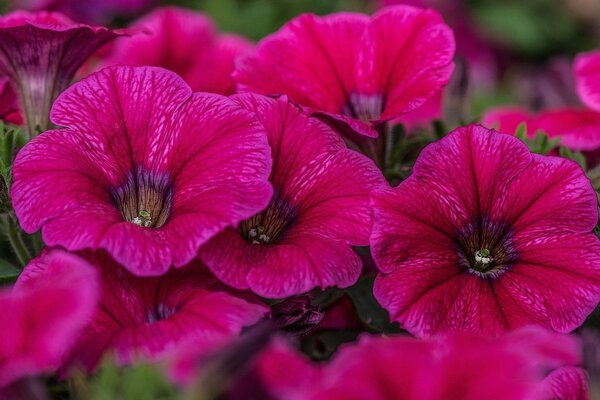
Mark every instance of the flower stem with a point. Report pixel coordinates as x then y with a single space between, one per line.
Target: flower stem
13 232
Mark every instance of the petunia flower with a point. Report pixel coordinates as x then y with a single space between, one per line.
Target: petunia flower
456 366
187 43
40 53
355 71
485 237
319 210
144 169
44 314
146 317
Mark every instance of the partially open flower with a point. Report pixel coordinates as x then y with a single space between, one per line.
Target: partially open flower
352 70
185 42
145 169
485 236
40 53
319 210
143 318
41 318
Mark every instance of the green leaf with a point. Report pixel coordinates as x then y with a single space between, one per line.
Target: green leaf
368 310
8 272
521 132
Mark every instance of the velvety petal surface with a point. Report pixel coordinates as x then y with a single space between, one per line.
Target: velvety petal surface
568 383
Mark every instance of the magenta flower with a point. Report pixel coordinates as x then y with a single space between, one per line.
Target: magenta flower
187 43
587 76
458 366
40 53
52 301
144 169
319 210
578 129
148 317
351 69
485 237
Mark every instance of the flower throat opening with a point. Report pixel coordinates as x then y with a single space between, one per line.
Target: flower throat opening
485 248
269 226
145 199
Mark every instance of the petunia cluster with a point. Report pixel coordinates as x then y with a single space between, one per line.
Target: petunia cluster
232 213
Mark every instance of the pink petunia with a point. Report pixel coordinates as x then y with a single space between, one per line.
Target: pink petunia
187 43
353 70
319 210
144 169
43 315
40 53
486 237
577 128
458 366
146 317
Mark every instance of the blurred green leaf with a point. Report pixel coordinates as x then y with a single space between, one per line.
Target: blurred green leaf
576 156
368 310
137 382
8 272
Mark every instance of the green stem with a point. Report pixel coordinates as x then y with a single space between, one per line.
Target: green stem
16 241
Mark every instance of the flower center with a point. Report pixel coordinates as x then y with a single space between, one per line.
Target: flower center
365 107
268 226
159 313
485 248
145 199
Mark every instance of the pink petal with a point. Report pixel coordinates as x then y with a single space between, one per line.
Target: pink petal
555 282
296 61
404 71
587 75
538 196
147 317
568 383
52 301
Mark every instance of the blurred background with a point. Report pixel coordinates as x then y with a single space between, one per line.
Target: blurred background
510 51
